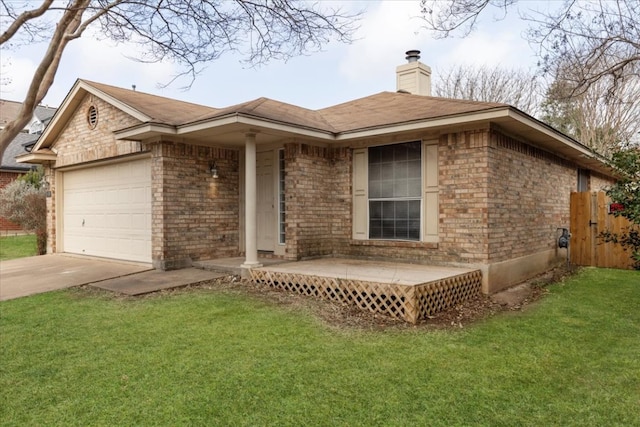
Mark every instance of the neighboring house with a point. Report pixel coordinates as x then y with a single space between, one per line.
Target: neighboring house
395 176
10 170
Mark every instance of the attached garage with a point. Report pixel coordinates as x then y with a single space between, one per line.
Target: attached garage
107 210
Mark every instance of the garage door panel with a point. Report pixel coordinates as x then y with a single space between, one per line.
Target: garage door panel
107 211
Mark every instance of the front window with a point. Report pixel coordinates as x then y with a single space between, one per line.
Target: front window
395 189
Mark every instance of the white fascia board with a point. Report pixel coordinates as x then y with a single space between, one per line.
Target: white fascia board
255 123
36 158
134 133
424 124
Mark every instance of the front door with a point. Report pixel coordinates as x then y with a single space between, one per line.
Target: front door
266 209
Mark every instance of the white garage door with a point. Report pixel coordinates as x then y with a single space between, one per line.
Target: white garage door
107 211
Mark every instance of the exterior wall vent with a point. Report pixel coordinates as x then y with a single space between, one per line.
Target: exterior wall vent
92 116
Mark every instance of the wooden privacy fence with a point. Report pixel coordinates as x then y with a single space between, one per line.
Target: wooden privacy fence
589 217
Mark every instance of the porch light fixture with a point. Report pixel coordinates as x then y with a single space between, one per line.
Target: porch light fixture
213 169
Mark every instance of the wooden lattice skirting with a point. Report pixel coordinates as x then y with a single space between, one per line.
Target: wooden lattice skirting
407 302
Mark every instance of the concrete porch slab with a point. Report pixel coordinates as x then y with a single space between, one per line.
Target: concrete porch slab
156 280
233 265
369 271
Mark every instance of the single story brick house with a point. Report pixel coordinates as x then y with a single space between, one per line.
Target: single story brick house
393 176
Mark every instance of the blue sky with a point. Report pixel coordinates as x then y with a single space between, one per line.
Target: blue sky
338 74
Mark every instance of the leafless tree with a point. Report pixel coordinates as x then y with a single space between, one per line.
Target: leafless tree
605 120
602 38
515 87
191 33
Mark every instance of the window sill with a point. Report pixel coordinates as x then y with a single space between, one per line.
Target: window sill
395 244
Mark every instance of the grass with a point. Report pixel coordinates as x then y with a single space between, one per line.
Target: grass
17 246
213 358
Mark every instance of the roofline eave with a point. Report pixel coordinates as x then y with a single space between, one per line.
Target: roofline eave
15 169
259 122
579 152
553 133
146 130
36 158
436 122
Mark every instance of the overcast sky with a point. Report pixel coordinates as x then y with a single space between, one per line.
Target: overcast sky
338 74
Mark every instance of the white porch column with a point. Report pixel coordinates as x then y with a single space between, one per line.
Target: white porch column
251 221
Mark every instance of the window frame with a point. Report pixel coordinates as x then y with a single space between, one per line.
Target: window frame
429 197
414 198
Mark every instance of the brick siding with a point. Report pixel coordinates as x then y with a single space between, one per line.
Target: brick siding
599 182
79 143
528 198
194 216
499 199
318 200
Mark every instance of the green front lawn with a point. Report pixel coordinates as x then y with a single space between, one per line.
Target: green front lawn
209 357
17 246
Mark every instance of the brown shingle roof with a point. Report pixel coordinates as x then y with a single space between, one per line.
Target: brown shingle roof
388 108
160 109
9 110
385 108
269 109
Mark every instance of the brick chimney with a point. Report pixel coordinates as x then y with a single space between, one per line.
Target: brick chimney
413 77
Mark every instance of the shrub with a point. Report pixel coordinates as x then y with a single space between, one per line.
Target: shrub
24 202
626 194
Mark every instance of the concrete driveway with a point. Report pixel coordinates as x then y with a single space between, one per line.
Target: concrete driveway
27 276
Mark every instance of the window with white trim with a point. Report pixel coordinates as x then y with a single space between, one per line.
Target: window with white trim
395 192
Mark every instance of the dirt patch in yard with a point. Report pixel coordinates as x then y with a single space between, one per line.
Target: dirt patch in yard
339 316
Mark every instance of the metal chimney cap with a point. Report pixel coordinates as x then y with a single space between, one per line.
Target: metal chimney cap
412 55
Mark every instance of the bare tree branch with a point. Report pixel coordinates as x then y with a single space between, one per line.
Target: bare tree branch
602 37
515 87
191 33
22 19
603 119
43 76
445 17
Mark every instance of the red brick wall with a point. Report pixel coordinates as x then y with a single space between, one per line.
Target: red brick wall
463 179
464 182
499 199
194 216
528 198
318 202
7 178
